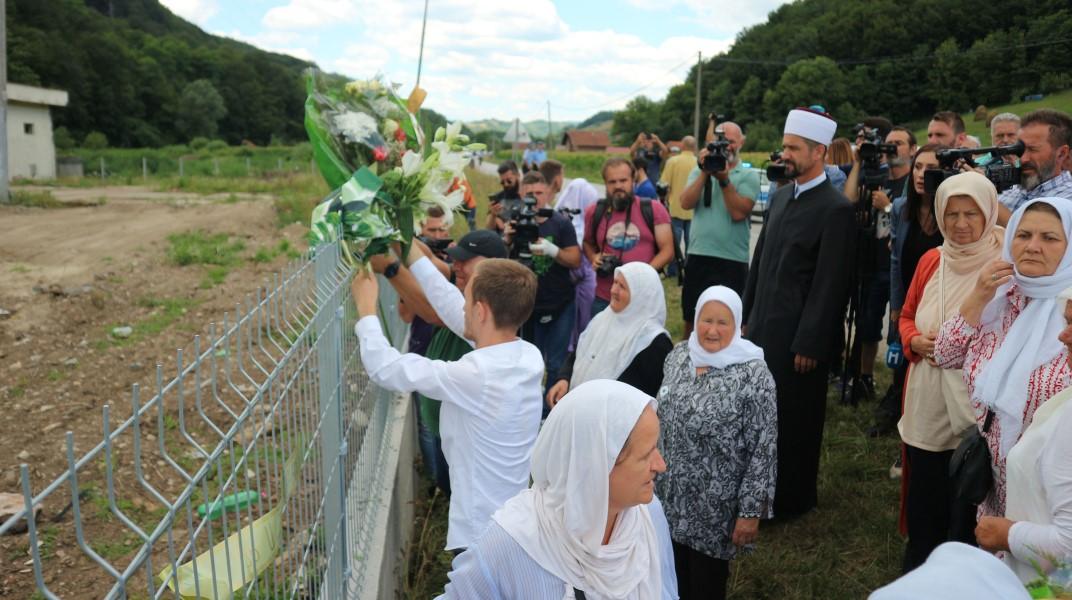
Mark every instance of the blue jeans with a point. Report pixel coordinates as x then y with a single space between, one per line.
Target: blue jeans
598 305
470 218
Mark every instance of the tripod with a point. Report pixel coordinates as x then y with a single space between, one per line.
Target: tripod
863 274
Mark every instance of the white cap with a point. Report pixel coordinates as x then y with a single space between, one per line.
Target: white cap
811 125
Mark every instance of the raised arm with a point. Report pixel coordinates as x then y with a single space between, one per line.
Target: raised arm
448 302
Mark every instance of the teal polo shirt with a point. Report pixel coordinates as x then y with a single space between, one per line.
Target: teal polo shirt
713 232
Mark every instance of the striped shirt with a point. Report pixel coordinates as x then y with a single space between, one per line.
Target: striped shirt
1060 186
496 567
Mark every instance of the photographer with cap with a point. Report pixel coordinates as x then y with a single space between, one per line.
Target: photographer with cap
624 228
721 203
553 254
795 299
1047 137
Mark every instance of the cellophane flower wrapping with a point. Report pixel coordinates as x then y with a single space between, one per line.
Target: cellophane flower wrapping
371 151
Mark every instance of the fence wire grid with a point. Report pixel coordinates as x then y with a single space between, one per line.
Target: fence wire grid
249 470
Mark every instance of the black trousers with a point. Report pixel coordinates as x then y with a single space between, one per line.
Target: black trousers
932 515
702 272
699 576
801 417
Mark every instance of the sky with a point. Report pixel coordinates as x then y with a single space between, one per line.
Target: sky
490 58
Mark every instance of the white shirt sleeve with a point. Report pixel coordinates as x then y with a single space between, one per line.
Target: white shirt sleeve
448 302
1035 541
456 382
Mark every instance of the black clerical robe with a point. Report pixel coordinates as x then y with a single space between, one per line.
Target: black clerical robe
798 287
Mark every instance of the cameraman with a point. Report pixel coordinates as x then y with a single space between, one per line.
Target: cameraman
649 147
623 229
1047 136
509 179
721 220
553 255
875 293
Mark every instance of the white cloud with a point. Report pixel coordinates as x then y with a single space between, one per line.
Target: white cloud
722 16
310 14
195 11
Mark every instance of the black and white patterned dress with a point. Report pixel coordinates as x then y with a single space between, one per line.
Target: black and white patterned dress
719 435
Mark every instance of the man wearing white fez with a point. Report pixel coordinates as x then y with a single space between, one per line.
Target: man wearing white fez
794 302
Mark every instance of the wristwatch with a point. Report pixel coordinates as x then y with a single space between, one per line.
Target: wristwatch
722 183
392 269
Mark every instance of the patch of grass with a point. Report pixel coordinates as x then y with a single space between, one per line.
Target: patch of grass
201 248
47 540
166 311
20 269
268 254
213 277
54 375
43 199
112 551
17 391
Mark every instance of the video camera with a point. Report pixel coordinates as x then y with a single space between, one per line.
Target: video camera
776 171
438 247
1000 173
606 268
874 173
662 190
716 160
526 229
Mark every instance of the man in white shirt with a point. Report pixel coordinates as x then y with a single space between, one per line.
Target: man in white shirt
491 397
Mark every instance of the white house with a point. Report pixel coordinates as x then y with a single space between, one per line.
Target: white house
31 153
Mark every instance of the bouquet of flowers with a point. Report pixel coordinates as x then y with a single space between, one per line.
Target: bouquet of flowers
1057 584
370 149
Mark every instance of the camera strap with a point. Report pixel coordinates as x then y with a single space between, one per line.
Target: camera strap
707 193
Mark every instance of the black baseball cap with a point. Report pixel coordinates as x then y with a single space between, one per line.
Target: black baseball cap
482 242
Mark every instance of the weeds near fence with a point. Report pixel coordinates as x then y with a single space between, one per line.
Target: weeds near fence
43 199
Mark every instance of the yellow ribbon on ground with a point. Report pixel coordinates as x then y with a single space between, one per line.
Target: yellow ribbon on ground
235 562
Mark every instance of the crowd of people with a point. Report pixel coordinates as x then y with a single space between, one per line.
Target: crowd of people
587 454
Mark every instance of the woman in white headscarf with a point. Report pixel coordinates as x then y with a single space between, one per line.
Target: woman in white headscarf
577 196
937 411
956 571
1037 526
628 342
719 415
1005 336
588 527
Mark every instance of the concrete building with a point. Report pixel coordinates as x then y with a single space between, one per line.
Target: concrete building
31 152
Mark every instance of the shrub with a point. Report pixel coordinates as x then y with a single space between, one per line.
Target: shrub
198 143
95 140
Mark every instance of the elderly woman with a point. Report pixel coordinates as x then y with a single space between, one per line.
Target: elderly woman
1037 526
627 342
1005 337
589 527
719 414
937 410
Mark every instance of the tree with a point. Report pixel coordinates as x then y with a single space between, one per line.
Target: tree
640 114
199 110
804 83
62 138
95 140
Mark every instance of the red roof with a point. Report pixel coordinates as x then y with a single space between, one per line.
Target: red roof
584 138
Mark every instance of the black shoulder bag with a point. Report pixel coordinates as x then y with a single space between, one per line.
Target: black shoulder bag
969 468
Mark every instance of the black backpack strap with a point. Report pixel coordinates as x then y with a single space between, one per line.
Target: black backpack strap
598 215
649 214
578 594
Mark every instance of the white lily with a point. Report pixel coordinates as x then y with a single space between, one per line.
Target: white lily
411 163
452 162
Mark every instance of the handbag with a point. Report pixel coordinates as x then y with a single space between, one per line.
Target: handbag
970 470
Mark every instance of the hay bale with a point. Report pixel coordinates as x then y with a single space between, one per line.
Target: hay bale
980 112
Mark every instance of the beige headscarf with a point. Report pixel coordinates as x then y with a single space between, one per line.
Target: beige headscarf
926 423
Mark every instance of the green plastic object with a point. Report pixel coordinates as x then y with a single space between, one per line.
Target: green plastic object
231 502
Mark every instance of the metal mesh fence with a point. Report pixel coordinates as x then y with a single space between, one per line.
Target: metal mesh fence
248 470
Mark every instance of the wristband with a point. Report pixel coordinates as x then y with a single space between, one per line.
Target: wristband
392 269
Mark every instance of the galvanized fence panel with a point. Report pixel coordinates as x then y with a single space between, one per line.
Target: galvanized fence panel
248 469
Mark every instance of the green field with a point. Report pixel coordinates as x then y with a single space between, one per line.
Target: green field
1060 101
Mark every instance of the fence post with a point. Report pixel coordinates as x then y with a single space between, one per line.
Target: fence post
329 346
215 166
144 169
180 167
102 167
279 164
249 171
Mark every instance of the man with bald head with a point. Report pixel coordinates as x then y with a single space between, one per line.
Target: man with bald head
721 221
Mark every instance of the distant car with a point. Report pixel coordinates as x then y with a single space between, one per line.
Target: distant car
760 206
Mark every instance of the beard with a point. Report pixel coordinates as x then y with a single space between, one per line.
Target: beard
620 199
1039 173
791 169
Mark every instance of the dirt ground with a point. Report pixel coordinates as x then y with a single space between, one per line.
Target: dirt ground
68 276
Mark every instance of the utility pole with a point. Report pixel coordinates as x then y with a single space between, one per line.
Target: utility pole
696 116
4 196
550 138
